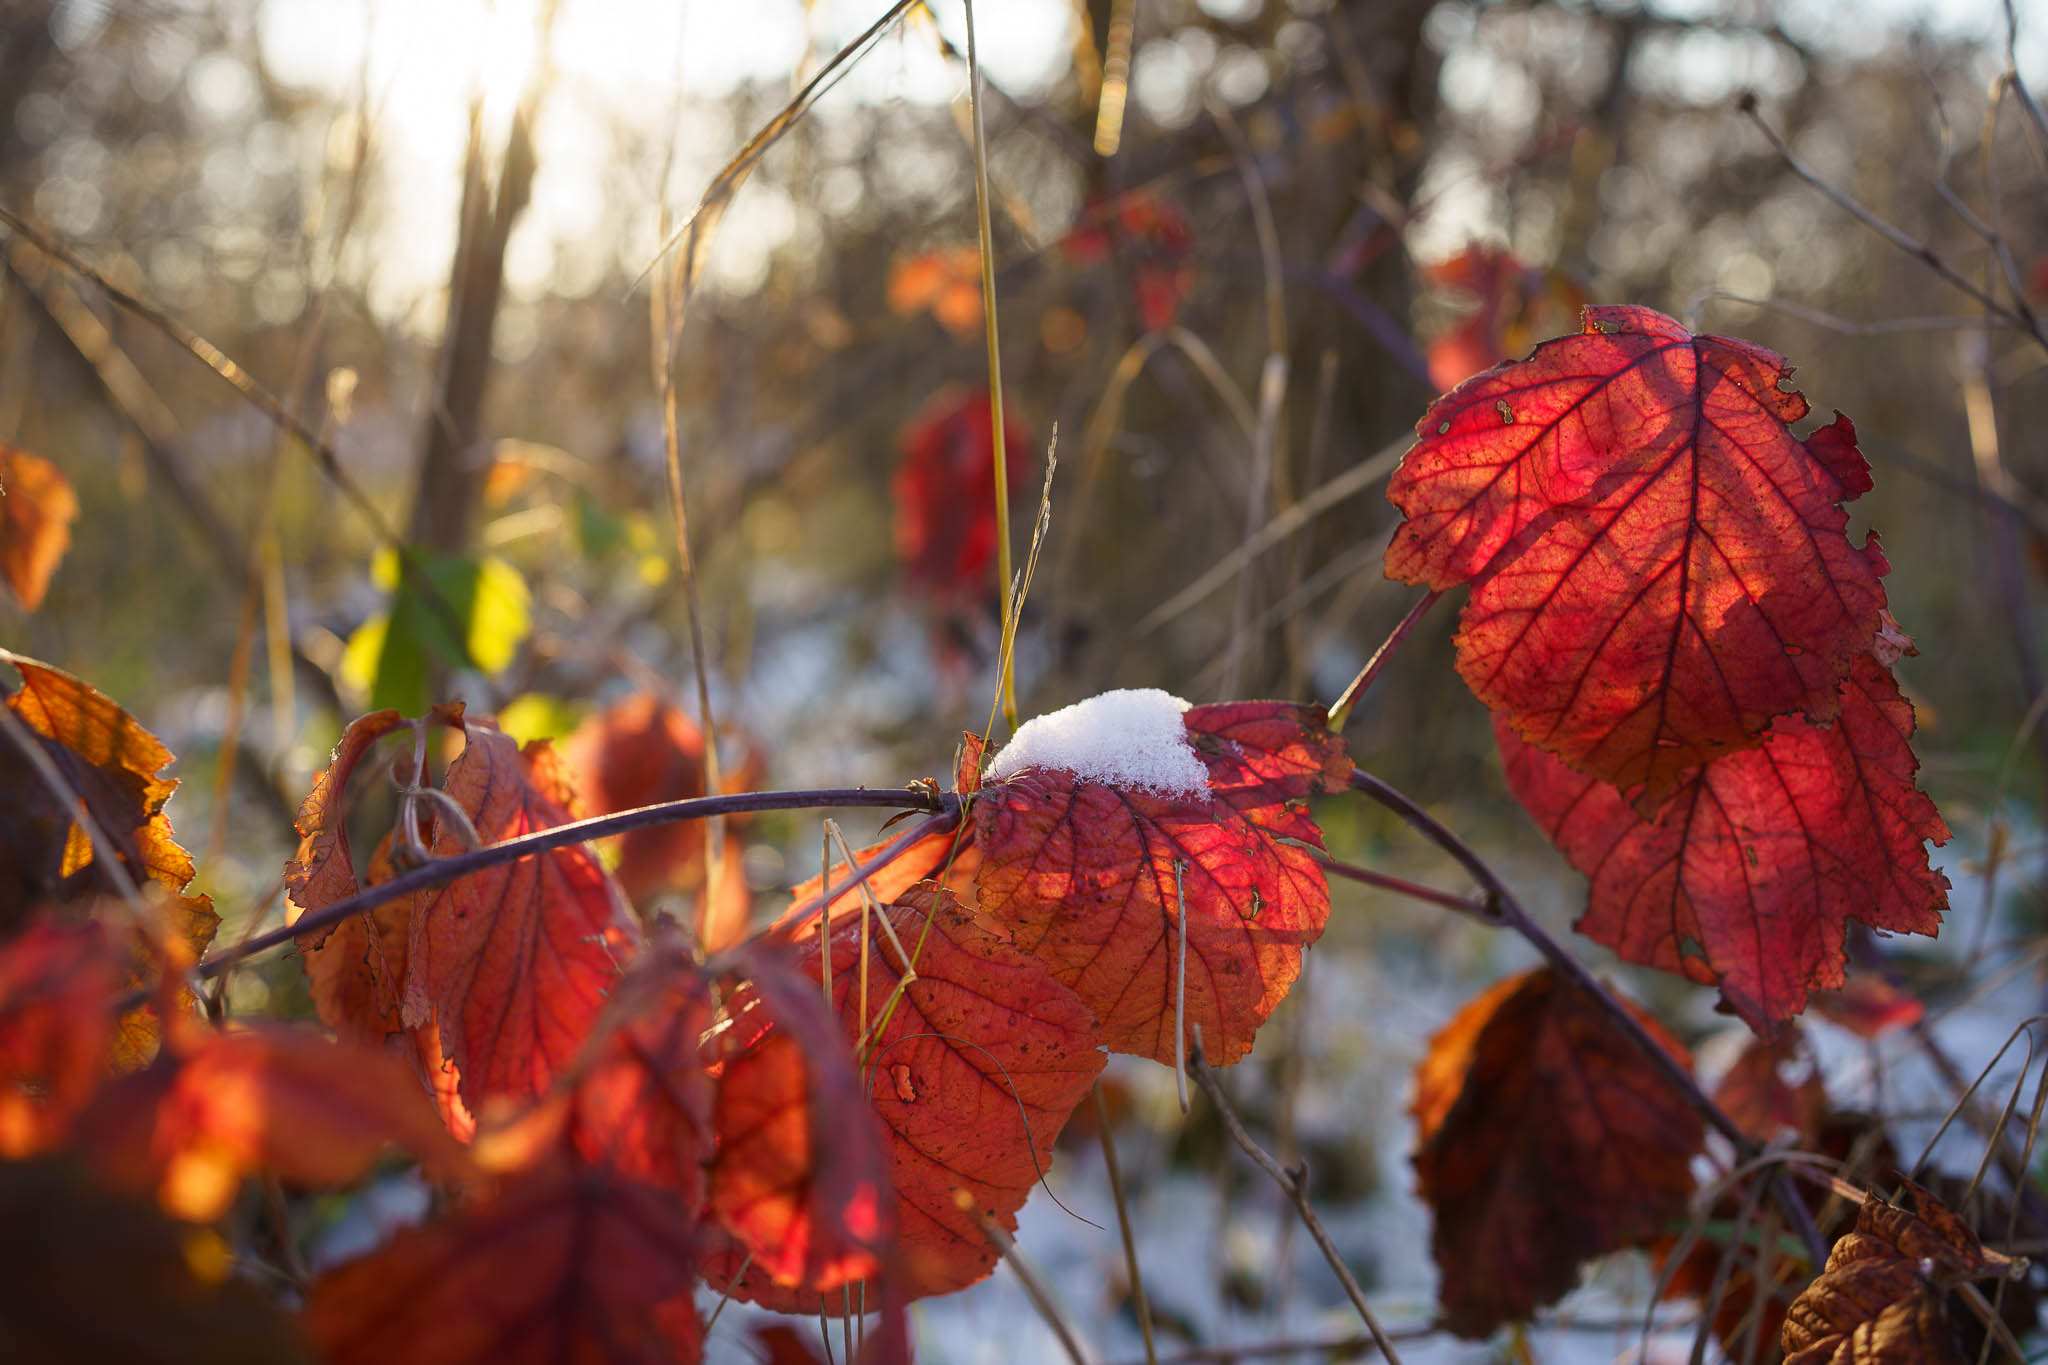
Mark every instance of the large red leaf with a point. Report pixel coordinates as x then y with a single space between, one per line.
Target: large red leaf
1659 565
1544 1138
1749 871
219 1106
512 962
800 1179
973 1075
564 1267
37 508
1082 874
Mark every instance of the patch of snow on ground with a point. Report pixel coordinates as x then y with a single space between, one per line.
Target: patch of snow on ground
1132 738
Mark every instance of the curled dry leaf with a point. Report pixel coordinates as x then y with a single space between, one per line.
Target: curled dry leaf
37 508
1082 875
1659 567
219 1106
562 1265
800 1180
1748 873
55 1031
1544 1138
108 1278
512 963
972 1071
1883 1297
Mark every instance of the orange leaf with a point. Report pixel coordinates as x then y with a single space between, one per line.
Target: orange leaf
37 508
512 962
800 1179
1082 874
563 1267
636 753
1883 1295
92 1276
55 981
1544 1139
283 1100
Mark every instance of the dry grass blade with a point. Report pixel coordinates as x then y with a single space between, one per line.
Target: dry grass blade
1116 79
699 227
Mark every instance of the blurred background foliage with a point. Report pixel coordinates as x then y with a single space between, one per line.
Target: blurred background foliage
429 227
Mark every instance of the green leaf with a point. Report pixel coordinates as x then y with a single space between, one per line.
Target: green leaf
474 614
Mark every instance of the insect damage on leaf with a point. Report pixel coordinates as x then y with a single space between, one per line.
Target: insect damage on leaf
1092 876
1544 1138
1659 567
1760 858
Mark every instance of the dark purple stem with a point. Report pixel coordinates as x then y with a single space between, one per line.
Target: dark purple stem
443 870
1340 710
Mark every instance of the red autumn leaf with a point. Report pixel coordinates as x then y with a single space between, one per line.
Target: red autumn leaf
1544 1138
1870 1006
944 492
643 1102
37 508
564 1265
800 1179
55 981
1659 566
220 1106
1516 305
945 280
1746 877
1160 242
1082 874
94 1276
512 962
638 752
973 1075
1883 1297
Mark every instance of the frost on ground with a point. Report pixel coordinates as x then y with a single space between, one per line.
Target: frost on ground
1133 739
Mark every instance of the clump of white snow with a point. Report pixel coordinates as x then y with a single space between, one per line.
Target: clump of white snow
1132 738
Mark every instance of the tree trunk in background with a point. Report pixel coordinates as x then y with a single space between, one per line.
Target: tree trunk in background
452 467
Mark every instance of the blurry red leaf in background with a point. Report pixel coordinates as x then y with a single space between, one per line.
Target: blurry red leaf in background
1082 875
973 1074
1869 1006
944 493
800 1179
1159 242
512 962
1659 566
289 1101
55 1029
1515 306
945 280
37 508
1749 872
563 1265
1544 1138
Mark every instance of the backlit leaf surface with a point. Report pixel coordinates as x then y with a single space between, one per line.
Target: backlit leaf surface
1658 565
1749 872
37 508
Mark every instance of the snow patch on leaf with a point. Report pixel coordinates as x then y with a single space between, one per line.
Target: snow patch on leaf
1132 739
